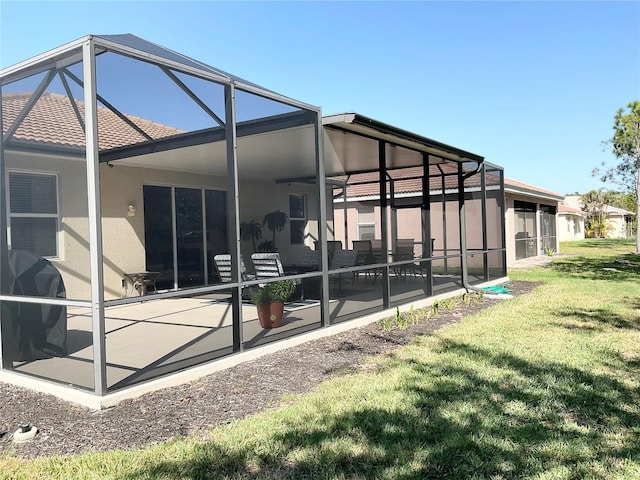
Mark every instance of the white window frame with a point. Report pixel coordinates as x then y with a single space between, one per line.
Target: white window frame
302 219
366 224
56 215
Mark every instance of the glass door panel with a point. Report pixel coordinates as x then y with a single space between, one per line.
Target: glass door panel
189 237
158 233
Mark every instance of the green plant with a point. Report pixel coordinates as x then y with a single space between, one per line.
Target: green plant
413 316
261 296
281 290
400 319
466 298
275 221
251 231
449 304
549 251
435 307
386 323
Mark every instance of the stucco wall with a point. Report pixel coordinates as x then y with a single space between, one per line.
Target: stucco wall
570 228
123 235
73 246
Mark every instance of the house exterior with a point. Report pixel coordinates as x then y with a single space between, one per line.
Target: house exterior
531 217
531 220
619 220
570 223
127 168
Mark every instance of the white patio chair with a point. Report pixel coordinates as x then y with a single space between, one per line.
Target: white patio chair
223 266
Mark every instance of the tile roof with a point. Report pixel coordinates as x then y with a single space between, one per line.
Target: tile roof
562 208
509 183
53 121
408 181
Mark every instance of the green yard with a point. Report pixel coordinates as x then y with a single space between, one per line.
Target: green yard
544 386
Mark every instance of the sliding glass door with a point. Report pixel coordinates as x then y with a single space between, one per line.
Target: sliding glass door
184 229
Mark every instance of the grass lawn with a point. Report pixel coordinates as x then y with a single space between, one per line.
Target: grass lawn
544 386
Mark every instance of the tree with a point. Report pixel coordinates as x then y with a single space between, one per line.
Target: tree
625 145
593 203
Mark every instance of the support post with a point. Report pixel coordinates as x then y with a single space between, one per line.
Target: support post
382 167
233 226
322 227
95 221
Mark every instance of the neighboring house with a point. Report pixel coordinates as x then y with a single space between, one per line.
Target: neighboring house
570 223
531 221
531 216
619 220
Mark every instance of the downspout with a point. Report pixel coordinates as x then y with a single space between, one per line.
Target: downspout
463 225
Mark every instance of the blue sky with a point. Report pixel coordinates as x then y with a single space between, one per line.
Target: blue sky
531 86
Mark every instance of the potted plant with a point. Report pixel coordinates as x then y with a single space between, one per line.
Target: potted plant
270 300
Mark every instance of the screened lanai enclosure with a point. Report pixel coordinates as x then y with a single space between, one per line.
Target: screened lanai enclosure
141 189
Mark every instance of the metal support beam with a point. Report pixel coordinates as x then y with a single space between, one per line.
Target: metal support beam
426 223
35 96
192 95
72 100
485 241
462 219
233 217
382 167
322 227
4 248
95 220
117 112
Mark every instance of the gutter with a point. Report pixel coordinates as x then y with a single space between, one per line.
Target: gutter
462 223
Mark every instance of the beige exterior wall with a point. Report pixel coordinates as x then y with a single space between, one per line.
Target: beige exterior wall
510 231
123 235
73 245
570 227
616 226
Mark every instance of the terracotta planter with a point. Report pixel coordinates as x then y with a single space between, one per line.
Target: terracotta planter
270 314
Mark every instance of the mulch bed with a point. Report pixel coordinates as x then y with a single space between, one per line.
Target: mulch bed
217 399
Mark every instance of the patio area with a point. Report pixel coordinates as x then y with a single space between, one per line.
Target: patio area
127 169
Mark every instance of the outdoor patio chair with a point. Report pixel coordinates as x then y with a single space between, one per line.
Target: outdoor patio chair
268 265
311 259
343 259
404 251
223 267
365 255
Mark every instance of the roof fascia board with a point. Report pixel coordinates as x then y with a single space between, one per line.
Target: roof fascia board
426 144
533 193
57 57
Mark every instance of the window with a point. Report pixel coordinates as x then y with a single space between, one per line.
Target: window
297 218
366 223
33 213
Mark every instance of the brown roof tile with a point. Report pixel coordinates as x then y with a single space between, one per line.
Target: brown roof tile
53 121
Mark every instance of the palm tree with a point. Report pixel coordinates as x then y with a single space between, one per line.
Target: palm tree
275 221
251 230
594 203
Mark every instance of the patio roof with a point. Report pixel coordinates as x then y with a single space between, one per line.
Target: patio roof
351 135
126 44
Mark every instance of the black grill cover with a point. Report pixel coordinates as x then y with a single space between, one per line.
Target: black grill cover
32 331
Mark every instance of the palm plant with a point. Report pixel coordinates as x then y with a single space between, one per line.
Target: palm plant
251 231
275 221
